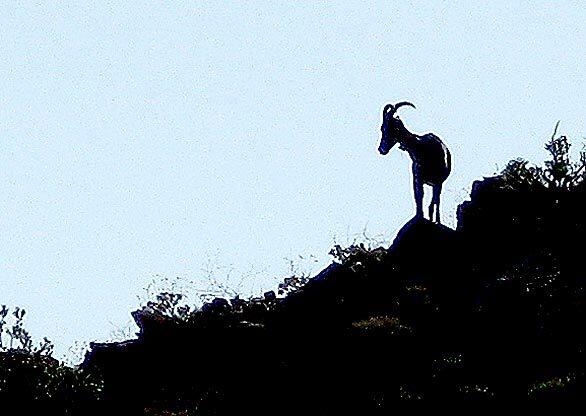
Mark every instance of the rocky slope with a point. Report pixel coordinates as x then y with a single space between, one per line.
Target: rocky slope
494 309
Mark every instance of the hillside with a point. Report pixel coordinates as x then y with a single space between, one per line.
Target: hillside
494 309
491 310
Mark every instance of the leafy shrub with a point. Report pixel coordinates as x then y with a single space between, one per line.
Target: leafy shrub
559 174
30 372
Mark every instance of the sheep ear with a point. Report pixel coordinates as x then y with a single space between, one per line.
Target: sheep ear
388 110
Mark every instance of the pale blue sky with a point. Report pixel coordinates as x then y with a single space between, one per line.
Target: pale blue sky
146 139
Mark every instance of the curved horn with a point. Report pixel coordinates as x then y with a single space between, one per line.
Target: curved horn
402 103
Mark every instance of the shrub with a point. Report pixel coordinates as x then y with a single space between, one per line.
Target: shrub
30 372
559 174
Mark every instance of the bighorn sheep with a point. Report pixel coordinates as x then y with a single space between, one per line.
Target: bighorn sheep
431 158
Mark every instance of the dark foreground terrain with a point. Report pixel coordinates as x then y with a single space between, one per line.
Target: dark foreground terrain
494 309
491 310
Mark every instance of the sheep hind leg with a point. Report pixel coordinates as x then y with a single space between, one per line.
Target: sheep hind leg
435 200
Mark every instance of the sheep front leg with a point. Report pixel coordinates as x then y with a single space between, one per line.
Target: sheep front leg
430 210
418 193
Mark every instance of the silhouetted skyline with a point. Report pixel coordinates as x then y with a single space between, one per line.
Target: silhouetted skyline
144 141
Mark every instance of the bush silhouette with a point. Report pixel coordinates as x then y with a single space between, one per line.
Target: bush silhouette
29 372
559 173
